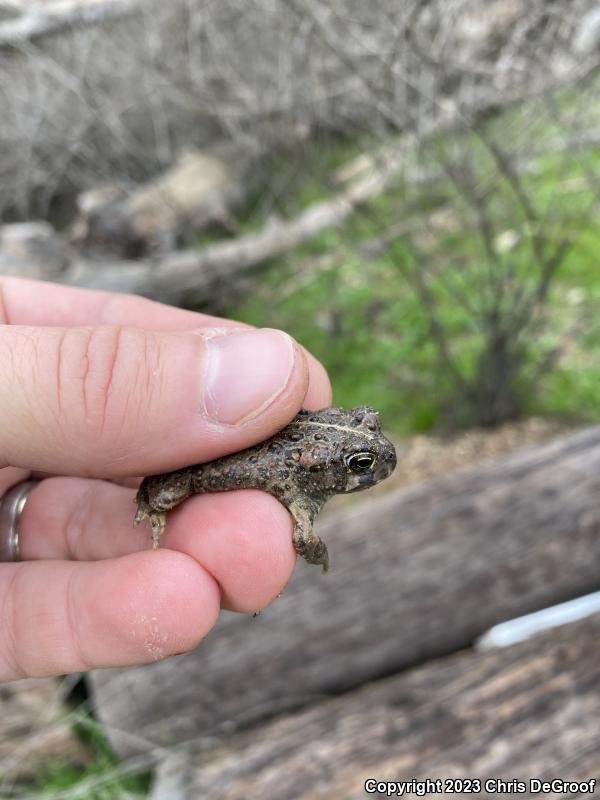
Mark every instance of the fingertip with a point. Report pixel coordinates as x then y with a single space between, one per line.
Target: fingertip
247 372
140 608
67 616
167 603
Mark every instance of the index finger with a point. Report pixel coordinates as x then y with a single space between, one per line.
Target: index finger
30 302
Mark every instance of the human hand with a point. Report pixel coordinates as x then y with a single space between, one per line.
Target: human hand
97 387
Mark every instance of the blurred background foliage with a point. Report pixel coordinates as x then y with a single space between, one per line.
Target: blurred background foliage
465 292
465 298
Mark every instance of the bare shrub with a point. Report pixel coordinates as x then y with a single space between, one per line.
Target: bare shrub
123 98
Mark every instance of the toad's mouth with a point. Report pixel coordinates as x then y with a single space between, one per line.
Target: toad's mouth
361 482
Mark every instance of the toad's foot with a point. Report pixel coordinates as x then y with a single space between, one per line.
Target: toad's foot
312 549
157 519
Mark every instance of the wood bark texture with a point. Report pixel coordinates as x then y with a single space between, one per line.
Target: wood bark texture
528 711
415 574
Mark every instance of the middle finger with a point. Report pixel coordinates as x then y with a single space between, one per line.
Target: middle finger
243 538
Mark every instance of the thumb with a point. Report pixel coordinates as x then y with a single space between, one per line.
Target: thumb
114 401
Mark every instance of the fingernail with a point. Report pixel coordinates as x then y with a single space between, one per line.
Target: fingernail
245 372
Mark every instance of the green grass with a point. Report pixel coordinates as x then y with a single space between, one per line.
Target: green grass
101 779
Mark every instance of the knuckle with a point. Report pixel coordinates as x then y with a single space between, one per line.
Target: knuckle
76 523
108 365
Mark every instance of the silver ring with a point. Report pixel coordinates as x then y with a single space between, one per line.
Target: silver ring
12 504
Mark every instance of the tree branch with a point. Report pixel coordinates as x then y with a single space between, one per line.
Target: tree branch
43 19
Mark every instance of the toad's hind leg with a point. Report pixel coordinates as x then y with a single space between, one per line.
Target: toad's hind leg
307 544
156 496
157 519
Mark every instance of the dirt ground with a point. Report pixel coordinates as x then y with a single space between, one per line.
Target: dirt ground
426 457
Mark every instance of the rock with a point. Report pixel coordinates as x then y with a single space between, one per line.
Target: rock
33 250
199 189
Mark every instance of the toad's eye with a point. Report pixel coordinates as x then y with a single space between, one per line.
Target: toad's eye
361 462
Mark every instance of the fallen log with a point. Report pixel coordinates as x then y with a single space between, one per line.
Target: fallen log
511 715
200 276
416 574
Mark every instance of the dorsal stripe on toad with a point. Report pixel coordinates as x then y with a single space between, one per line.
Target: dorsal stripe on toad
354 431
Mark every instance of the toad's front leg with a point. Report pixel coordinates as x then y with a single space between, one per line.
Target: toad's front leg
307 544
157 495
